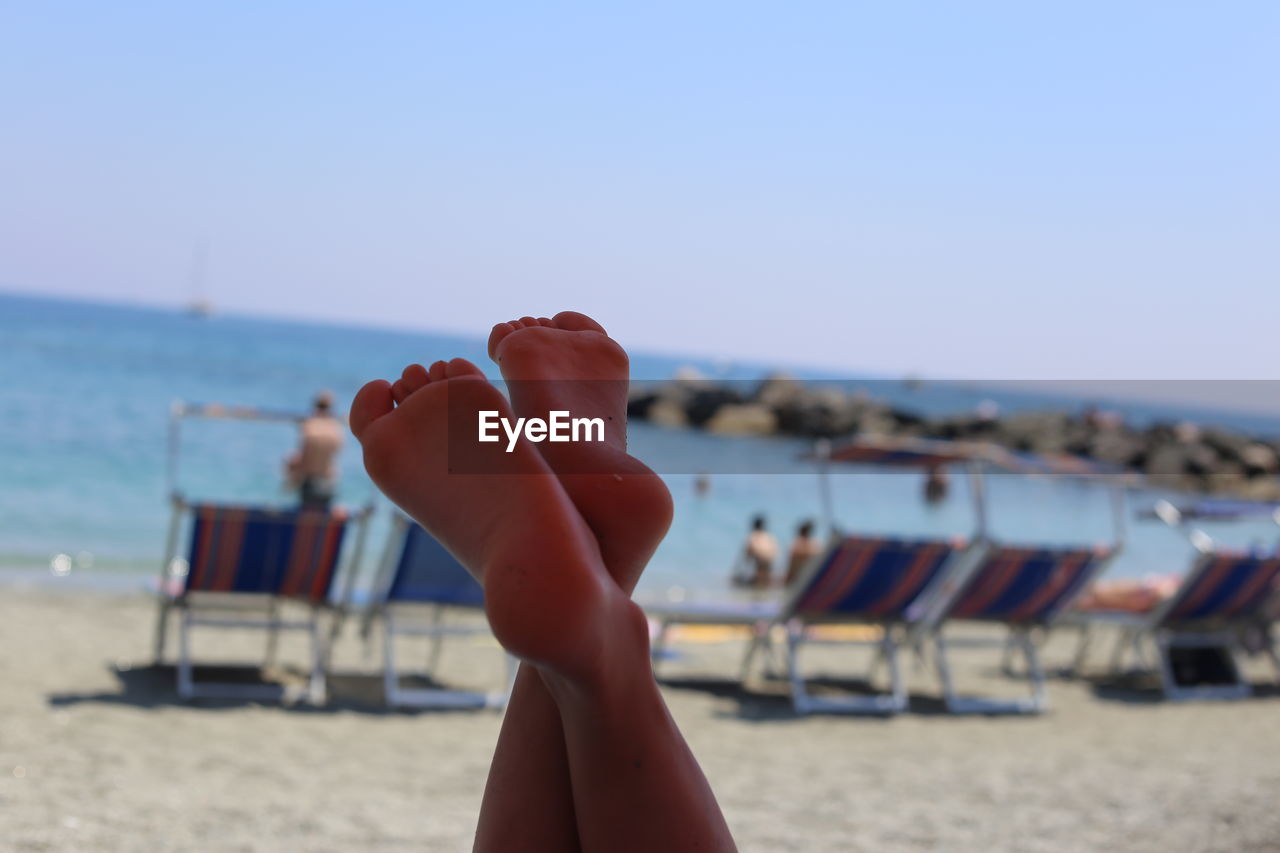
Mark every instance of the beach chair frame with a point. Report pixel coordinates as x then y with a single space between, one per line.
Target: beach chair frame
1161 630
270 612
886 652
796 617
423 619
940 613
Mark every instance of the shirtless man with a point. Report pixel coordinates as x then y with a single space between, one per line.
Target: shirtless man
803 549
312 469
758 557
588 757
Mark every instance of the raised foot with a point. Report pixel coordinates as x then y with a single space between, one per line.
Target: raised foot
569 363
514 528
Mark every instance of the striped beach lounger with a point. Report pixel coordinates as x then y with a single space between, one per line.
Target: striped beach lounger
246 567
859 580
419 587
1224 594
1025 589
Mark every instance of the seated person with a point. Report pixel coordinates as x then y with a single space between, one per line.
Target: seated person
755 566
803 550
1134 596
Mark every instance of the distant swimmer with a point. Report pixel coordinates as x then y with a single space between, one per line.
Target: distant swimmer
936 484
312 469
755 566
702 485
803 549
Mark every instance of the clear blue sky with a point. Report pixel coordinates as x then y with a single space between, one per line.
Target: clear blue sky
978 190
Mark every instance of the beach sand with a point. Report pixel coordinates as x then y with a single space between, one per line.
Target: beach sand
98 753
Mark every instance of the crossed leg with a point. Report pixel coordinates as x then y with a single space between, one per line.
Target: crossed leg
620 775
568 364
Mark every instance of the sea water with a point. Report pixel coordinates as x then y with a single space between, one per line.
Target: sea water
86 392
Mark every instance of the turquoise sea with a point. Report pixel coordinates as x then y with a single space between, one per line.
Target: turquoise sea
86 390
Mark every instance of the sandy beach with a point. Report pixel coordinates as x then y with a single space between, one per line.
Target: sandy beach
98 753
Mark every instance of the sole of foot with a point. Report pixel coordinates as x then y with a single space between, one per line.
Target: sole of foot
569 363
515 528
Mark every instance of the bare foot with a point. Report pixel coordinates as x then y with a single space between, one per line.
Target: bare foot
547 594
568 363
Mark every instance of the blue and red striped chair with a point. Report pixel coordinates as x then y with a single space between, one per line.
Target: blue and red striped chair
1225 594
245 567
859 580
1025 589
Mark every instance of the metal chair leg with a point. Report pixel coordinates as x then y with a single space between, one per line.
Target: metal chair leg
317 688
1123 641
756 644
658 650
1082 649
186 681
1035 673
162 631
437 640
897 686
1006 655
944 668
390 681
273 634
799 692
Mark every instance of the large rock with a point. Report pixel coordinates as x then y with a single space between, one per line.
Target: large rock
964 428
1115 447
1181 456
817 413
1261 489
1037 432
743 419
701 404
778 390
1182 465
1259 459
667 412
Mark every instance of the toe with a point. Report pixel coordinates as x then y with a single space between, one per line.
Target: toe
438 371
546 321
414 377
496 336
372 402
528 321
572 321
461 367
399 391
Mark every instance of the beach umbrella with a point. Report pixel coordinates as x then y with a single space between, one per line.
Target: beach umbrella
1209 509
1212 509
180 411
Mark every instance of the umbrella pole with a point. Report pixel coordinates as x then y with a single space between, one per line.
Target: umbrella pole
823 452
978 489
175 441
1118 513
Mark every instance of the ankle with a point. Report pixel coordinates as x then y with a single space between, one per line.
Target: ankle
621 662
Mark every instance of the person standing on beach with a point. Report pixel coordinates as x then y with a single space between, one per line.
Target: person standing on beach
312 469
